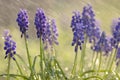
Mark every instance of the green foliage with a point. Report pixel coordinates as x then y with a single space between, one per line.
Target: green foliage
54 67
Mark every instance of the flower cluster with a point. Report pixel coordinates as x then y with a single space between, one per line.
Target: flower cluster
23 21
115 40
47 32
51 34
10 45
91 28
40 22
84 26
54 32
116 33
103 44
46 29
78 32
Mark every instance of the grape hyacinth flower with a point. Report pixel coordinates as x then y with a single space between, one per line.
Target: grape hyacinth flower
23 23
78 32
78 36
107 46
84 26
40 22
103 44
46 29
46 36
91 28
116 33
50 35
115 40
54 33
10 45
22 20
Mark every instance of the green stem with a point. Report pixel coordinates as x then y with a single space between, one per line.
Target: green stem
82 59
114 56
93 55
28 55
61 69
109 60
56 69
14 76
117 74
100 60
96 77
55 66
33 67
21 59
95 61
18 67
41 59
93 71
8 71
74 65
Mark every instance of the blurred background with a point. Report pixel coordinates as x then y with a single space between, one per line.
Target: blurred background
61 11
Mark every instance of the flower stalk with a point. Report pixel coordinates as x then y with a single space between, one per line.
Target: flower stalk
41 60
8 71
100 60
74 65
82 59
113 59
18 67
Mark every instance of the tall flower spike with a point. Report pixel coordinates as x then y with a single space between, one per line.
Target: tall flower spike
46 37
103 44
91 28
99 45
46 29
116 33
51 34
107 46
10 45
78 33
40 22
23 21
54 32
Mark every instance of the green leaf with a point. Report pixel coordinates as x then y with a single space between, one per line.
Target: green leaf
34 61
96 77
22 60
14 76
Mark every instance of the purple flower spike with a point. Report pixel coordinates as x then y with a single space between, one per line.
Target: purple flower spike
10 45
78 31
46 29
40 22
103 44
23 21
54 32
46 37
91 28
84 26
116 33
51 34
